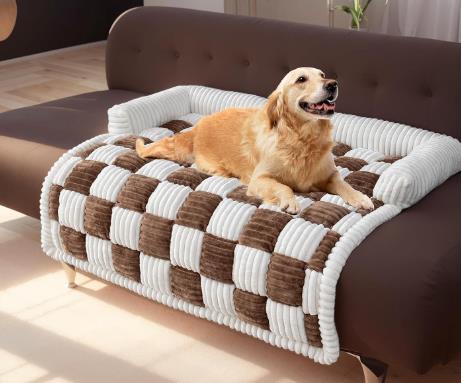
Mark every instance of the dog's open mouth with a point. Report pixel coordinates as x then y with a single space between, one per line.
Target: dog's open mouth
324 107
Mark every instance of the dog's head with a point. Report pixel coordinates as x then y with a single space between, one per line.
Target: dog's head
305 94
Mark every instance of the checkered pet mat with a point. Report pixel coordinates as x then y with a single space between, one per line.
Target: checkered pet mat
200 238
199 244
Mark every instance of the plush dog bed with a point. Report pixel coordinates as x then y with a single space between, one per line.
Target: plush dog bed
198 243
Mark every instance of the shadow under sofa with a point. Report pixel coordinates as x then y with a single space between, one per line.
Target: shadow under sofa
398 295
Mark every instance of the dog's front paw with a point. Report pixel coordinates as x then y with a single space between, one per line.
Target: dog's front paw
289 204
361 201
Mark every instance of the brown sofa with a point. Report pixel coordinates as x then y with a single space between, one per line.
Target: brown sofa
398 296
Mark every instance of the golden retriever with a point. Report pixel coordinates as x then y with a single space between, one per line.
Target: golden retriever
284 146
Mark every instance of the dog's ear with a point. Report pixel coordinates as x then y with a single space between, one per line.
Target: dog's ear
274 107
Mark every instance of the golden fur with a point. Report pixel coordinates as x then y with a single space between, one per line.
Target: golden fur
275 150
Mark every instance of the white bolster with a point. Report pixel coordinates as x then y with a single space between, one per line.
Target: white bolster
426 167
146 112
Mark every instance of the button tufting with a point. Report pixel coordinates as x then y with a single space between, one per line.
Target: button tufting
428 92
246 62
176 54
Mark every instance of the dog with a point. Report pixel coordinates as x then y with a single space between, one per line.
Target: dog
282 147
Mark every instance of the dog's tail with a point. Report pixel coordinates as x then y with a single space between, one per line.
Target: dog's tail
179 147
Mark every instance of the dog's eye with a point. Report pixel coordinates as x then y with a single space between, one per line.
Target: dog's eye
322 75
301 79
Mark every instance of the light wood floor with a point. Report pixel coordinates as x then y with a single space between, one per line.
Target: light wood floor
102 333
51 76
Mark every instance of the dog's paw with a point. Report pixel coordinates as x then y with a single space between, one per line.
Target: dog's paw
289 204
140 147
361 201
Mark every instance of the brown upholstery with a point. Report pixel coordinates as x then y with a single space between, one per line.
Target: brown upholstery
399 293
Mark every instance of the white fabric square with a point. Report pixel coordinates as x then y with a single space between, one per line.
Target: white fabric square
311 292
286 321
218 185
99 252
376 167
336 199
229 218
218 296
186 247
192 118
125 227
109 182
365 154
156 133
343 172
166 199
155 273
299 239
159 169
64 171
107 153
345 223
249 270
114 138
71 210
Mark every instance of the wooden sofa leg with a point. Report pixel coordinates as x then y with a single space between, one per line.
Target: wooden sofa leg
374 371
69 270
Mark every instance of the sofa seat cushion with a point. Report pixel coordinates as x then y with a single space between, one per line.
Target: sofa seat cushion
63 123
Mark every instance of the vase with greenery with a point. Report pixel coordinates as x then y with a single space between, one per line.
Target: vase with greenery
357 12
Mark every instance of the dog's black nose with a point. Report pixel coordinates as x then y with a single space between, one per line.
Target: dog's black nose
331 86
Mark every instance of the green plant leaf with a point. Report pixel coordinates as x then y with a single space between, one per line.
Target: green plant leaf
345 8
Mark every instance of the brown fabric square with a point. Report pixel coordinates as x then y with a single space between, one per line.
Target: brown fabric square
324 213
217 258
136 192
73 242
186 284
83 175
131 161
126 262
362 181
53 201
187 177
155 236
251 308
85 153
197 210
263 229
130 141
285 280
350 163
240 194
311 325
314 196
97 217
320 256
340 149
391 159
176 125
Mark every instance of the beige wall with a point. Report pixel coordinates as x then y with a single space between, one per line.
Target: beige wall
303 11
206 5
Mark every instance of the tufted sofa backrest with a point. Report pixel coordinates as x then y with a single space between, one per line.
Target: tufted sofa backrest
407 80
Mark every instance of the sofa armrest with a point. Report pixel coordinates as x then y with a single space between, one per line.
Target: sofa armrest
149 111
